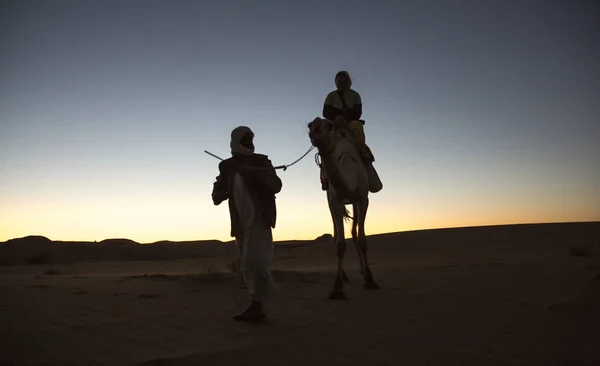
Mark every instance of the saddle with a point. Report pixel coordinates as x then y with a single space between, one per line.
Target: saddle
365 154
375 184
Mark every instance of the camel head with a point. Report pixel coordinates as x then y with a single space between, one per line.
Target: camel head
321 132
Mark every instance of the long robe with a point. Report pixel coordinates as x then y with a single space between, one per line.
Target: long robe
254 242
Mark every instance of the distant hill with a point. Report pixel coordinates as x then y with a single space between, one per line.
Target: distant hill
41 250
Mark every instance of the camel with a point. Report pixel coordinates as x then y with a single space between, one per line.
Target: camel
348 184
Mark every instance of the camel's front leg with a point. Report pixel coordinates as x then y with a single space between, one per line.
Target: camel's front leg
363 207
337 212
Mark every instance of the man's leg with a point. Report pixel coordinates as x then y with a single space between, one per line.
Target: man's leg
239 263
358 132
257 259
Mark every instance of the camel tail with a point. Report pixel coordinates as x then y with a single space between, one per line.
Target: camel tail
347 215
354 227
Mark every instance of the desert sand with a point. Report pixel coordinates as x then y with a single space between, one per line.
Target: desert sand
499 295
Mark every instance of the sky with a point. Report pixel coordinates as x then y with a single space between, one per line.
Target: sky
477 112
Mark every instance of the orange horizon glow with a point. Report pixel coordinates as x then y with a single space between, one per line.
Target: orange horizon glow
177 221
146 213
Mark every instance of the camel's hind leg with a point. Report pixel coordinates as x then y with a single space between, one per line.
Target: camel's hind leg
337 214
355 239
344 276
362 243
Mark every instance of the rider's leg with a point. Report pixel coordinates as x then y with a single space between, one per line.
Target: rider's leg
358 132
356 128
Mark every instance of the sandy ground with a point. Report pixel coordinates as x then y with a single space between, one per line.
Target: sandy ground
476 296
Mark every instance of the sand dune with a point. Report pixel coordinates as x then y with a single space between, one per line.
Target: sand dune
504 295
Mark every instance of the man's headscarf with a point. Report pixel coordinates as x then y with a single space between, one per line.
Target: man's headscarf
241 141
343 73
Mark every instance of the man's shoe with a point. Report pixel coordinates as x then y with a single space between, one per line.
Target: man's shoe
253 313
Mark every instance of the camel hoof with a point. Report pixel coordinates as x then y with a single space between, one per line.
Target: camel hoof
372 285
337 295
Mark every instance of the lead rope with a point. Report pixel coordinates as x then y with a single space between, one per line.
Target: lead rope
284 167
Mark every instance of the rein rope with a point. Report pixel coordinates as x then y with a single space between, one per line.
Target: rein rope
318 159
284 167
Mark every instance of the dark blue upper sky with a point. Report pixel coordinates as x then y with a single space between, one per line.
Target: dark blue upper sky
486 111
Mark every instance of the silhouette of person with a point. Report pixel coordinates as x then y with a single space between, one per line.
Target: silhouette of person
249 181
343 106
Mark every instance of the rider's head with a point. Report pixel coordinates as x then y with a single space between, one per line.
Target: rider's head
343 80
242 141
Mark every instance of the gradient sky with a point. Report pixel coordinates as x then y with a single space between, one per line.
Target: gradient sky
478 112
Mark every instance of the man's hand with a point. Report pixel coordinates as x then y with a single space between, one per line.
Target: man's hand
267 178
219 193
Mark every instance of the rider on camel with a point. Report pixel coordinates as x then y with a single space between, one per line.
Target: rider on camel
343 106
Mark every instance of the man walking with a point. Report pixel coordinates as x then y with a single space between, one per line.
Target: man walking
249 182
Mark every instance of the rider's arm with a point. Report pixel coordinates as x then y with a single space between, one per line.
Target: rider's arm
355 112
329 111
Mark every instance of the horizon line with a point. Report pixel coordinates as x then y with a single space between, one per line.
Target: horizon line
325 234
